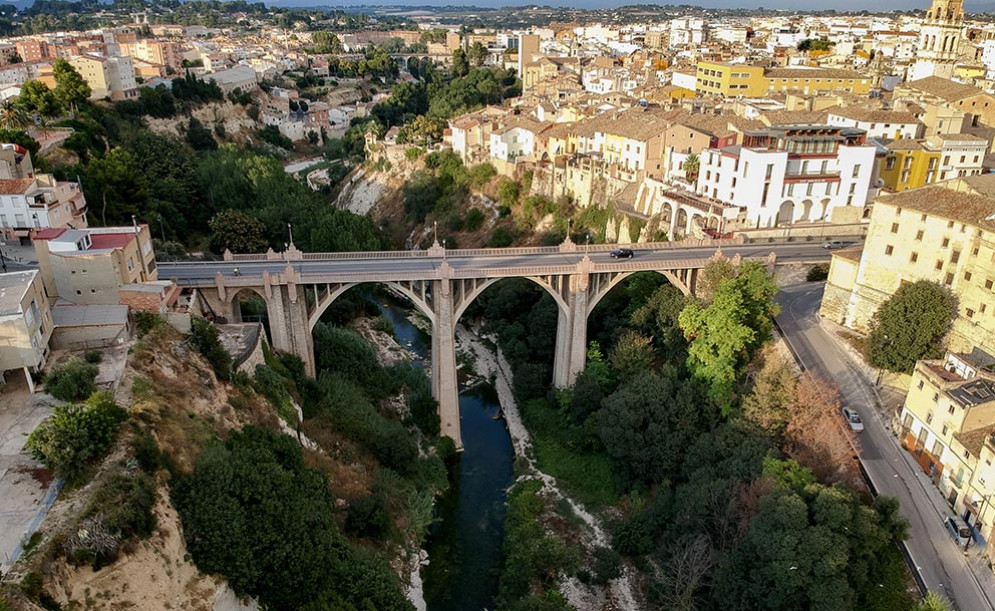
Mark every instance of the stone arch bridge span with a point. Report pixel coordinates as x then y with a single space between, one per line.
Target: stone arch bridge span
298 287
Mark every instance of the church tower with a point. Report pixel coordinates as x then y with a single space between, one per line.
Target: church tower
938 40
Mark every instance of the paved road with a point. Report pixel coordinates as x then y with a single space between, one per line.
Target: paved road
493 263
941 563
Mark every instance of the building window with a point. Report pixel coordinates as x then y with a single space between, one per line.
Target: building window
894 227
955 256
988 283
970 313
929 417
856 170
950 225
914 257
939 265
951 410
949 279
921 384
967 276
919 235
946 242
889 249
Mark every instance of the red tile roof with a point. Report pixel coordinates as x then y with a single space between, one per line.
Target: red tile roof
48 234
99 241
15 186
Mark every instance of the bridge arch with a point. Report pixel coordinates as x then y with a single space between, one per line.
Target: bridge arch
333 292
469 297
233 301
618 277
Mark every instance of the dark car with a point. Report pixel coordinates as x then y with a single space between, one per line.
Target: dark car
621 253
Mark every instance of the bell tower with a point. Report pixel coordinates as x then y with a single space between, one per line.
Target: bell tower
939 40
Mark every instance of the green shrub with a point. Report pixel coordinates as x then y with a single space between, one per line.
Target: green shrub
368 517
121 508
93 357
146 322
383 325
501 237
150 458
206 340
818 272
474 219
33 587
76 434
413 152
72 381
481 174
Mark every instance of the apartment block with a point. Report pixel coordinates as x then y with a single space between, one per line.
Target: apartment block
792 173
108 77
947 424
944 233
25 323
89 266
910 164
744 80
30 201
163 53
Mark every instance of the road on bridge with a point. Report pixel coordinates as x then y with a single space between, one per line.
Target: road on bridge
942 564
470 262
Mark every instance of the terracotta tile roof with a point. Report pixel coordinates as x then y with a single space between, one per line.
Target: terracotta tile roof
794 117
943 88
905 144
943 202
813 73
868 115
850 254
15 186
974 440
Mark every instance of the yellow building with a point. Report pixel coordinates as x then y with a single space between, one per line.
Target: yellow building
730 80
943 233
909 164
735 80
946 424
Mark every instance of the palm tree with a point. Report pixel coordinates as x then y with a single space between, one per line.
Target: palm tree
691 166
13 116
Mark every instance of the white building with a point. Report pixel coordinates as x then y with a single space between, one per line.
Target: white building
34 201
877 123
108 77
686 31
792 173
512 142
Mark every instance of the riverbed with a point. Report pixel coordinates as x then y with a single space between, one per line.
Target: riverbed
464 545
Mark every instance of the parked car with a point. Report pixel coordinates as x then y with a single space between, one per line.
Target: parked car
959 530
621 253
833 244
853 419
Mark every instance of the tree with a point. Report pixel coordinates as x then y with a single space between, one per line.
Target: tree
237 232
37 98
632 354
115 183
711 277
769 401
73 380
205 338
13 117
199 137
461 67
692 163
690 562
70 88
75 434
725 334
910 326
647 425
933 602
477 54
22 138
815 435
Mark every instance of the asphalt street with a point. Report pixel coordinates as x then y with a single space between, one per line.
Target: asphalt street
942 565
493 262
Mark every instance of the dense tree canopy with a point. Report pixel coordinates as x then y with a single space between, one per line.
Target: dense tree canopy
910 326
252 510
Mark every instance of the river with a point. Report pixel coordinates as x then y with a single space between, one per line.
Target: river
464 545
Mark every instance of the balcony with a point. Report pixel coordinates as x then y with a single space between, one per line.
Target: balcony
813 177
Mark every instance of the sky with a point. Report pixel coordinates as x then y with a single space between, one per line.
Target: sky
802 5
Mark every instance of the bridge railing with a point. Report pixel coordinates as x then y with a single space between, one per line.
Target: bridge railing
487 252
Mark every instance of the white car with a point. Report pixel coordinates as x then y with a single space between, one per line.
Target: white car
853 419
832 244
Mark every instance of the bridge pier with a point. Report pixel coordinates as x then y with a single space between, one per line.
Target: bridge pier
445 388
571 333
288 324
